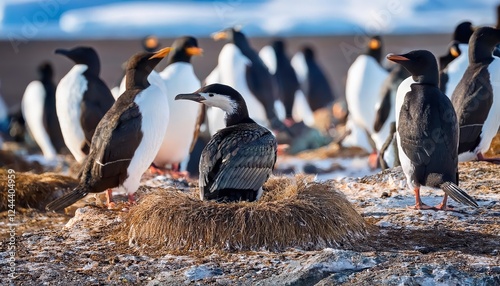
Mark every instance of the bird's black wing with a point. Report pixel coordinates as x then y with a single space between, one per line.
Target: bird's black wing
238 160
113 146
97 100
428 127
382 113
472 101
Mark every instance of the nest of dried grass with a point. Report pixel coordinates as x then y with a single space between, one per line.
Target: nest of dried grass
34 191
293 212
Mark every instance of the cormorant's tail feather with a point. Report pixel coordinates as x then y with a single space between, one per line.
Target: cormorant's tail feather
458 194
67 200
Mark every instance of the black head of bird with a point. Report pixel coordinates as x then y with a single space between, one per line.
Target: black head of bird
421 64
183 49
463 32
233 35
308 53
140 65
83 55
279 46
150 43
374 48
45 71
482 43
223 97
452 53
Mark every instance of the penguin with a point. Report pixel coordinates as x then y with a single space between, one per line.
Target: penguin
365 79
240 67
82 99
427 132
278 63
179 77
453 52
385 112
239 158
456 68
38 106
127 139
477 97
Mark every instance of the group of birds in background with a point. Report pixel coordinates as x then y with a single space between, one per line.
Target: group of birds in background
401 115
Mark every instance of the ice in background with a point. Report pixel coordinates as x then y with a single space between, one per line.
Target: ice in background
56 19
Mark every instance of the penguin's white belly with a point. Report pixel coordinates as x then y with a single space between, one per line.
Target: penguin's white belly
406 163
299 64
301 110
357 137
69 95
364 82
456 69
380 137
154 109
32 107
232 72
492 123
178 78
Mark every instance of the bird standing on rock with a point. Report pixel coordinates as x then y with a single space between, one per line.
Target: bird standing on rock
427 132
239 158
128 137
82 99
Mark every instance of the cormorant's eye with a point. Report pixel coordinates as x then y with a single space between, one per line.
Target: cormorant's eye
211 94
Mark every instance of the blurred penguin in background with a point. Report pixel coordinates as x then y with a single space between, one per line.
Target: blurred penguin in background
39 111
314 84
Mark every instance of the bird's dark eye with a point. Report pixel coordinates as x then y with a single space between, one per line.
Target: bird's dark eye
211 94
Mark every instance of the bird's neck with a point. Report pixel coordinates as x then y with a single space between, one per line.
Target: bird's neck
93 69
240 115
430 79
480 54
136 79
179 57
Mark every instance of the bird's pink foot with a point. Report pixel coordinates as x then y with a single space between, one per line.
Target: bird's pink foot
480 157
444 207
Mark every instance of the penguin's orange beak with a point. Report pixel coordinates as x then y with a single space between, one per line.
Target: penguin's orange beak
194 51
374 44
397 58
161 53
219 36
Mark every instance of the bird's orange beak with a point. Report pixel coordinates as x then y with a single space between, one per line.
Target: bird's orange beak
161 53
219 36
397 58
194 51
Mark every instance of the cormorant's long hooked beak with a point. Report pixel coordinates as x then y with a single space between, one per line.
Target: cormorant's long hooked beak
222 35
194 51
190 96
161 53
397 58
61 51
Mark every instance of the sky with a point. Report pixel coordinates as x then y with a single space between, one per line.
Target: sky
74 19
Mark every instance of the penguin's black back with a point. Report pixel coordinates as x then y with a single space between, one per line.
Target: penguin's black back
320 92
286 78
51 121
96 101
472 100
429 135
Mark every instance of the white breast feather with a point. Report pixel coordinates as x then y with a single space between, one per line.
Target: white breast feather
178 78
69 95
32 106
154 109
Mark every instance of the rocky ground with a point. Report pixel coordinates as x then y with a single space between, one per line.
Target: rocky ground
405 247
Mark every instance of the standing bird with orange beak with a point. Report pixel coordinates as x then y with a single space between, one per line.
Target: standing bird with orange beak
127 138
427 132
179 77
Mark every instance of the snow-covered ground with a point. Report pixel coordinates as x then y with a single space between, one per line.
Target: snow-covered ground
31 19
